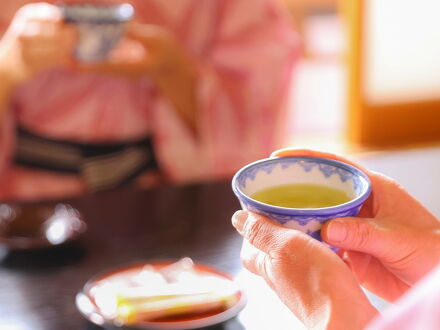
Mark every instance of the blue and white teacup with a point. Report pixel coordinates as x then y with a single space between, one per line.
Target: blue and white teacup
99 28
331 173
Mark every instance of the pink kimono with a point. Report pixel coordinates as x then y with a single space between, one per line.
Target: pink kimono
244 51
419 308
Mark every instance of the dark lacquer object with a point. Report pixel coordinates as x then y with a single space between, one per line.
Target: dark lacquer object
25 227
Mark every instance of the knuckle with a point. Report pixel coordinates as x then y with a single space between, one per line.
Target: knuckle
285 246
363 233
386 181
245 260
276 242
25 10
260 263
391 182
23 39
29 10
39 11
253 229
287 242
265 268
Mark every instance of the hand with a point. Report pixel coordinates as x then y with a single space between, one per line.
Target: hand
393 243
150 50
307 276
145 49
36 39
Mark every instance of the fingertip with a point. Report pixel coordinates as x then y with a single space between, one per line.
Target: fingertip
43 12
285 152
239 218
290 152
324 229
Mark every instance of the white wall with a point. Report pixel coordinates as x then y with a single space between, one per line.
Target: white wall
417 170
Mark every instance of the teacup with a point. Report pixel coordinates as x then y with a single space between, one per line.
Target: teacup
99 28
272 172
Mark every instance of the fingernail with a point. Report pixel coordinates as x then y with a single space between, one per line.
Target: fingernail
238 219
337 231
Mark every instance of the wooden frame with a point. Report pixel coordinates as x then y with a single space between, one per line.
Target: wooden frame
387 125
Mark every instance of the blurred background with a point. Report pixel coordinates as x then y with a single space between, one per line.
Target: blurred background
365 83
368 85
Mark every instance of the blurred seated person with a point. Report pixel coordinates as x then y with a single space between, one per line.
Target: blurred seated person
193 91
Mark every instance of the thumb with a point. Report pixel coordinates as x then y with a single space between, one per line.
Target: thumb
357 234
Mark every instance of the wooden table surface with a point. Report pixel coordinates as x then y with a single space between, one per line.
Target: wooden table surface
37 289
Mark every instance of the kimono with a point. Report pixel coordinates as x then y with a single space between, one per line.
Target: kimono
416 309
243 51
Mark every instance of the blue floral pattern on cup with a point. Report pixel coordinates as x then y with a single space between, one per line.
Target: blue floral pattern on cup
317 169
307 164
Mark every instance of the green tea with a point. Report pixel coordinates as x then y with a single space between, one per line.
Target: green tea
301 196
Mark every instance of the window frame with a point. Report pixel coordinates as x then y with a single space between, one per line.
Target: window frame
386 124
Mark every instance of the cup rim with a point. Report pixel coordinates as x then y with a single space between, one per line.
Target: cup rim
305 211
111 13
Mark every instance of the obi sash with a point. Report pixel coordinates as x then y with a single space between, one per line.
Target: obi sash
101 165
